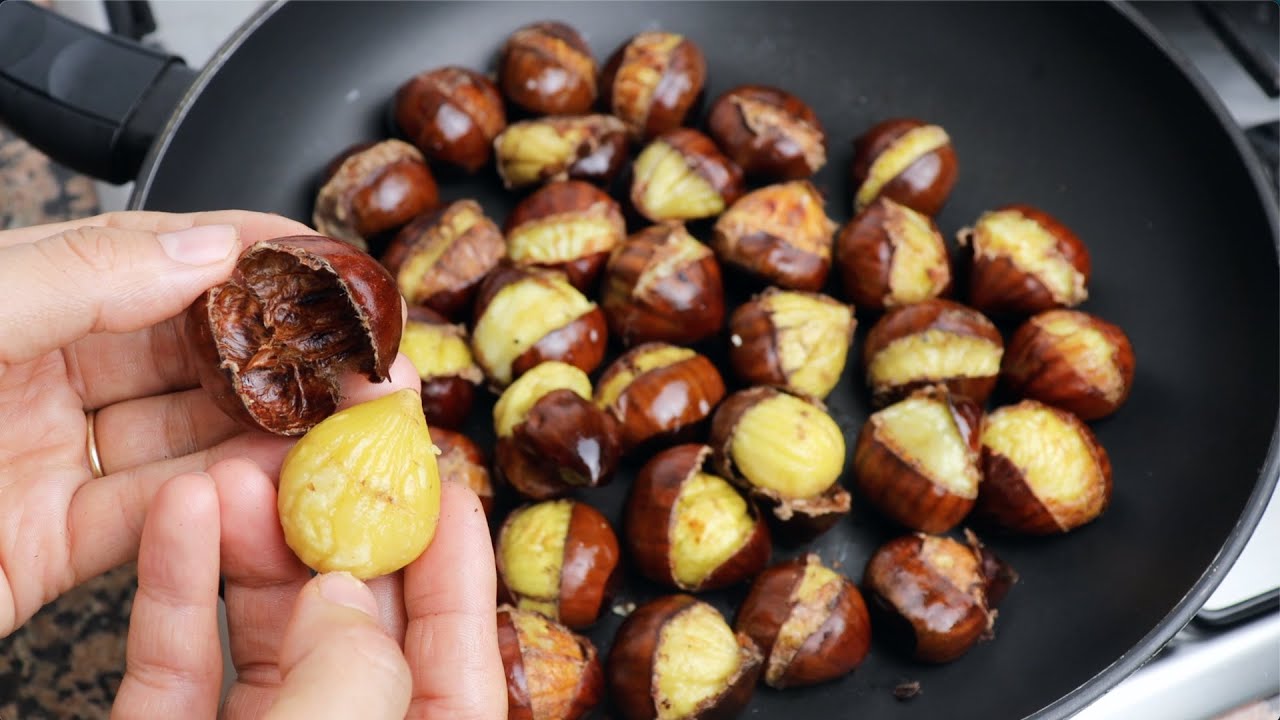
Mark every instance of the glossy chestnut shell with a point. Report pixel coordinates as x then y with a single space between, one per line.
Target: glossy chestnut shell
372 188
547 68
1007 266
1072 360
779 233
682 175
574 226
592 148
446 395
891 255
452 114
662 403
552 673
925 178
768 132
652 82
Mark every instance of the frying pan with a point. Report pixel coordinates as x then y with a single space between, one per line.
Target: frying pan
1076 108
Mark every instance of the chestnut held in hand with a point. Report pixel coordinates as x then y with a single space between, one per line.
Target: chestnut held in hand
661 284
1043 471
452 114
768 132
461 461
564 147
676 658
935 341
272 342
904 160
372 188
891 255
795 340
1024 261
690 529
917 460
558 558
439 259
552 673
659 392
809 621
442 357
569 226
547 68
780 233
683 176
652 81
1071 360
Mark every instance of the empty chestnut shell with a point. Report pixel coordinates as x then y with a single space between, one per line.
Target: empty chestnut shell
891 255
372 188
452 114
271 343
443 359
682 175
794 340
780 233
661 284
547 68
578 147
904 160
930 342
658 393
552 673
461 461
1071 360
1024 261
768 132
809 621
652 81
570 226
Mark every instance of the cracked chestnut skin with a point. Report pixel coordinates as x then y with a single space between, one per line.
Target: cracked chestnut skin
567 199
452 114
587 691
1041 365
271 343
600 152
997 286
565 442
446 399
664 404
680 70
779 233
792 147
924 185
865 257
547 68
702 158
462 461
372 188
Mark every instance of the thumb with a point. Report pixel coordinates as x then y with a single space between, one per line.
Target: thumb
335 660
98 279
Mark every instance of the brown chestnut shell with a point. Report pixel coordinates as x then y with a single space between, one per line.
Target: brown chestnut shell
462 461
924 185
868 247
585 694
780 233
665 403
756 346
372 188
592 148
564 442
452 114
997 285
768 132
567 202
446 399
1061 369
652 82
547 68
701 158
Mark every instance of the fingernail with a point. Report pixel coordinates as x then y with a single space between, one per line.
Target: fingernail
341 588
200 245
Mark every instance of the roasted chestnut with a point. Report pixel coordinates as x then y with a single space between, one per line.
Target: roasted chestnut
439 259
683 176
676 658
551 438
891 255
558 558
904 160
372 188
808 621
780 233
271 343
461 461
569 226
652 81
1024 261
659 392
689 529
449 375
768 132
579 147
787 451
1043 471
917 460
795 340
547 68
1071 360
930 342
525 316
452 114
663 285
552 673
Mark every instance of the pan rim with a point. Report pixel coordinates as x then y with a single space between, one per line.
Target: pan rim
1186 608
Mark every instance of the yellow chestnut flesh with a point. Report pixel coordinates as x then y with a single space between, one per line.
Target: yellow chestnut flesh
532 549
811 607
710 523
919 269
899 156
672 189
697 658
922 432
566 237
655 359
1032 249
437 351
461 218
513 407
520 315
814 335
553 662
1056 462
786 445
934 354
1090 353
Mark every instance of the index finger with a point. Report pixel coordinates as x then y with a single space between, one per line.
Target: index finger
254 226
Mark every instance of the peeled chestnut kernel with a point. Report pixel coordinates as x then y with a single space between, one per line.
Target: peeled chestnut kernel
569 226
566 147
906 161
780 233
675 658
683 176
1024 261
917 460
787 451
452 114
809 621
891 255
547 68
525 316
360 492
659 392
932 342
443 358
689 529
461 461
1071 360
558 558
768 132
661 284
439 259
271 343
795 340
372 188
551 438
552 673
1043 471
652 82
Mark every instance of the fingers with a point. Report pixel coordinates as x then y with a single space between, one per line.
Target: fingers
451 641
254 226
110 367
336 661
173 665
136 432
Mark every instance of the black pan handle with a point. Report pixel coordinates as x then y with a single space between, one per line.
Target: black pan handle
93 102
